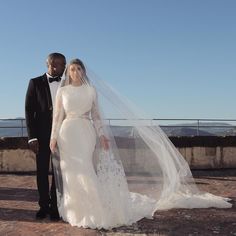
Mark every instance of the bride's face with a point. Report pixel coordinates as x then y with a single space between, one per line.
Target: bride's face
76 73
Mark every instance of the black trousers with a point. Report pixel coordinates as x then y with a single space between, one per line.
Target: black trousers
47 199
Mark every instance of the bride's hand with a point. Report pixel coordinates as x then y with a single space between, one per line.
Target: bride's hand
104 142
53 144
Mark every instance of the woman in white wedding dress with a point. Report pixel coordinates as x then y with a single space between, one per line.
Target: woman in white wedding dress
97 191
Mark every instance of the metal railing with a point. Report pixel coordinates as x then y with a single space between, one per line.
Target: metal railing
198 124
10 124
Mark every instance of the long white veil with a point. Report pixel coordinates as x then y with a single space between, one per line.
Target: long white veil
152 164
143 161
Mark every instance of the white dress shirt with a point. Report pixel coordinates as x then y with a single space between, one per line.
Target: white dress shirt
53 88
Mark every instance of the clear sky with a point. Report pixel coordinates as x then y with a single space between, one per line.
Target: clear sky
174 58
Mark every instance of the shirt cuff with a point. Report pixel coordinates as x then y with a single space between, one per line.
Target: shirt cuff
31 140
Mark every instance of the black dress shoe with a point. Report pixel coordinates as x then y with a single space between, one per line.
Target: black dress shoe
54 215
41 214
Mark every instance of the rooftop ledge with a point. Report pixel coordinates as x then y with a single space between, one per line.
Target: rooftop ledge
201 152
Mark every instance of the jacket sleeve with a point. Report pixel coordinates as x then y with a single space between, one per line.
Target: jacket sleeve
30 110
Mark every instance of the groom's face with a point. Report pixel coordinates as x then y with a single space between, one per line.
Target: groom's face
56 66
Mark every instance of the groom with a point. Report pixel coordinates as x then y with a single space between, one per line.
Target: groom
39 103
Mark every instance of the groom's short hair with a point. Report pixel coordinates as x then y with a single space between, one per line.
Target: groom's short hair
56 55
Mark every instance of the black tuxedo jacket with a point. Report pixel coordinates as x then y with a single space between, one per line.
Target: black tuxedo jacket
38 109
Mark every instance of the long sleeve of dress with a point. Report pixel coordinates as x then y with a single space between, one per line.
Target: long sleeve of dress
96 117
58 115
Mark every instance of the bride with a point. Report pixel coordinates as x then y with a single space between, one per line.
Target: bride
100 185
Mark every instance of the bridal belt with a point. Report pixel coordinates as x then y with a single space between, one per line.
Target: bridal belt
77 116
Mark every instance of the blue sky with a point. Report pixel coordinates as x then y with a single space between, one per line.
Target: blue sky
175 59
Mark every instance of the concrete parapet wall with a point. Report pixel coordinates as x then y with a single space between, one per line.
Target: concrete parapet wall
200 152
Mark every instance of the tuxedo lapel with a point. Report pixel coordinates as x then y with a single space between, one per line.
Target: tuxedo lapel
47 92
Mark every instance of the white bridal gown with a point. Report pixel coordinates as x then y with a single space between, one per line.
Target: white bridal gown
99 200
86 201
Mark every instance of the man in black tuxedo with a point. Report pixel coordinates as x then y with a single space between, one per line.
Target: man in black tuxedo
39 102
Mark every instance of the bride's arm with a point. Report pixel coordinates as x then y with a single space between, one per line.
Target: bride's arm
97 121
58 116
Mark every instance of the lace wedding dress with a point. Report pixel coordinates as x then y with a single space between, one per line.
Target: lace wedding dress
96 193
87 200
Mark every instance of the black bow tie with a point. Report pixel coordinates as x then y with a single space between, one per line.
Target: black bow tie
52 79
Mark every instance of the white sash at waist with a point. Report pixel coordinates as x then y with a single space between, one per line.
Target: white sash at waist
77 116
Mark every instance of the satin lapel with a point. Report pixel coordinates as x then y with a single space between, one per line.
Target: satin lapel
47 91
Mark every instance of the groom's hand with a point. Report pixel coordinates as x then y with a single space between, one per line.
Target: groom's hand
34 146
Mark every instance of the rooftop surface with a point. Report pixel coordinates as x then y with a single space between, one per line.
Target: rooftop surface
18 205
